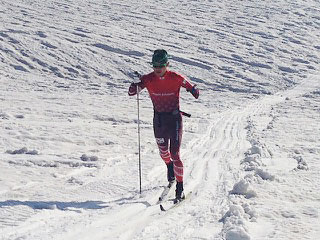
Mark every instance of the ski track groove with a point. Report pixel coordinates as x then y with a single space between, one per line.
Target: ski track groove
219 141
225 143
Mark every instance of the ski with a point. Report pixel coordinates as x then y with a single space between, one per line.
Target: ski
163 196
173 203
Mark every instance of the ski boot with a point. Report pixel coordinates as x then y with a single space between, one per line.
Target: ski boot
179 193
170 174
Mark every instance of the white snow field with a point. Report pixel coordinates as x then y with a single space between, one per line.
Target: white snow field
69 142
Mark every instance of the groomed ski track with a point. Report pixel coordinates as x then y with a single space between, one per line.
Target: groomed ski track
212 163
212 160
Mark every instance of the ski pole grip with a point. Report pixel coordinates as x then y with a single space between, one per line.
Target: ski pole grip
137 74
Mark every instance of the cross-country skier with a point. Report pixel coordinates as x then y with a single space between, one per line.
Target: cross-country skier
164 86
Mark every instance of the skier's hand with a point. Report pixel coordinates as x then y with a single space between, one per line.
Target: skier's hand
195 91
133 89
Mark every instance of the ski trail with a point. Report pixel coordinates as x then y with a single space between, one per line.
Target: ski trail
264 104
221 139
226 142
212 162
209 163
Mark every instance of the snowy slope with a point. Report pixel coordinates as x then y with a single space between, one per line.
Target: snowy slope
68 146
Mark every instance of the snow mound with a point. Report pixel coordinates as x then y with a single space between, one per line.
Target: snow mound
234 222
74 180
87 158
4 116
302 164
242 188
251 162
23 150
264 174
237 233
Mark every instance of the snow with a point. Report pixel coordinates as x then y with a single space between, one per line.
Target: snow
69 149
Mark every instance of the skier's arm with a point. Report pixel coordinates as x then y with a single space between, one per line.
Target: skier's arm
192 89
134 88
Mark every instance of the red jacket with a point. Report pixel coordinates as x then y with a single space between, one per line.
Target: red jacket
164 91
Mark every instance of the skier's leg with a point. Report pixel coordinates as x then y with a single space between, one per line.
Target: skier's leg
161 135
175 143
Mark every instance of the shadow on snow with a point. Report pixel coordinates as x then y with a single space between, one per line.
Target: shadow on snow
55 204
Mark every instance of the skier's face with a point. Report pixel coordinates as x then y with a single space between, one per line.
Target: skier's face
160 70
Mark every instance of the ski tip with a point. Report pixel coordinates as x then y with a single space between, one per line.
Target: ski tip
162 208
170 184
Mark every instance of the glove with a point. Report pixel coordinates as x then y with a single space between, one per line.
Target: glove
133 89
195 91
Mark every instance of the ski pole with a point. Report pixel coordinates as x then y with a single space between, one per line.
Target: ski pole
139 137
139 145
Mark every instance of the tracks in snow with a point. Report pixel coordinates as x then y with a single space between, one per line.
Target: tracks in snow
212 163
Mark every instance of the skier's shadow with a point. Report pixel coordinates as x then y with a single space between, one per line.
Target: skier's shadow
65 206
77 206
135 197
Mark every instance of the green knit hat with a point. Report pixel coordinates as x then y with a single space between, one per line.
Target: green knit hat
159 58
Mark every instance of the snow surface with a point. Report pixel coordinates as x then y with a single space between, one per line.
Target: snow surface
69 149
